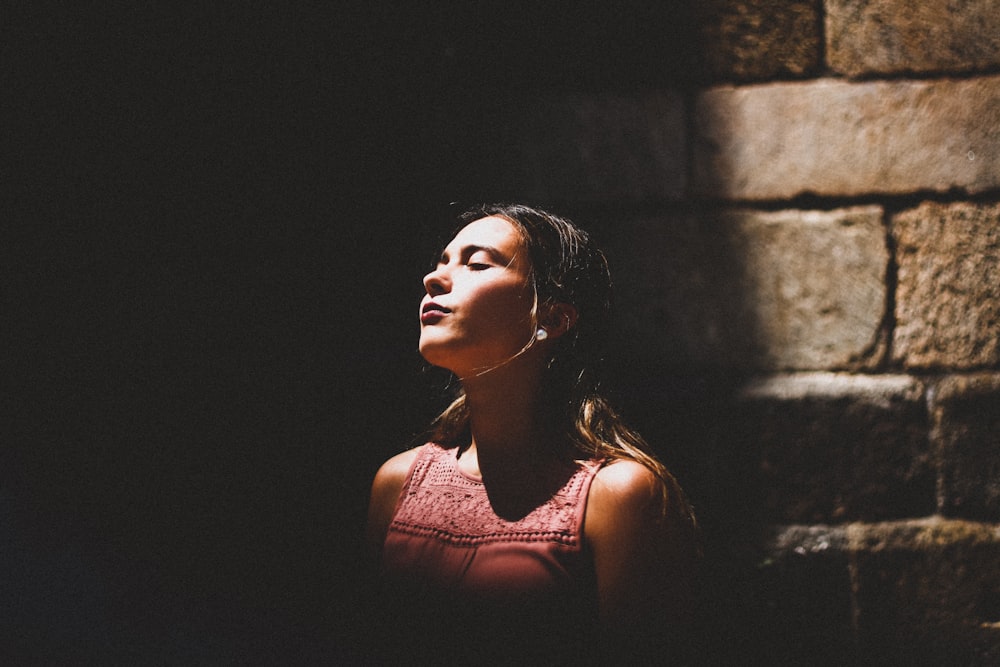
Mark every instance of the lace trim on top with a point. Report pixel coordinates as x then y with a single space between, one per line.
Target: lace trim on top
439 502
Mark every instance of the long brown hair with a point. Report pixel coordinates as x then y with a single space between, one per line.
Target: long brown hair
566 267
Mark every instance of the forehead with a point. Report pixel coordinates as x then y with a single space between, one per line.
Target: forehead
492 232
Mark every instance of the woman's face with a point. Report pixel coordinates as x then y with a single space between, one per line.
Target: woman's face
477 310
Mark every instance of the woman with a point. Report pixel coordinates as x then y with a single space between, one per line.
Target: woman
534 520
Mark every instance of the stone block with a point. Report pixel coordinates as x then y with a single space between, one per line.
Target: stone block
792 606
753 41
828 448
965 412
927 591
948 286
834 138
752 289
602 147
892 36
812 285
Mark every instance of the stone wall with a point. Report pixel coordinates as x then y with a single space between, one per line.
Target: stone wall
807 232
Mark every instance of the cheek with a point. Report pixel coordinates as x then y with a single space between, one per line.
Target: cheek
504 308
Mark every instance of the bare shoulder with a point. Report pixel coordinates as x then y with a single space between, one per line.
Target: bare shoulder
640 543
394 470
391 476
624 486
625 474
386 487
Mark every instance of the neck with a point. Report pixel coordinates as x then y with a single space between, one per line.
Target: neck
508 434
511 449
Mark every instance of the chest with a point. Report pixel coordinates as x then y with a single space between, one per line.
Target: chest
446 536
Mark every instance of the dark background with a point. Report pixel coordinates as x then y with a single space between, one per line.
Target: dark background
219 223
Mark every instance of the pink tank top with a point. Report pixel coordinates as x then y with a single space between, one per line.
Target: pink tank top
446 544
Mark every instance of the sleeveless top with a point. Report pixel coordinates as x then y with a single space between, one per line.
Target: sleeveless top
449 557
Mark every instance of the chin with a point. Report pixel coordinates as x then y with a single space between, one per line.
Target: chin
435 353
446 355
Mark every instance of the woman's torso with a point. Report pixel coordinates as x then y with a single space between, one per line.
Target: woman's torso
450 560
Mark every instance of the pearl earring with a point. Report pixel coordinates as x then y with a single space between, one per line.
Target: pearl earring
541 334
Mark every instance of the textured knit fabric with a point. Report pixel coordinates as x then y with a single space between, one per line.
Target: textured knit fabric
449 555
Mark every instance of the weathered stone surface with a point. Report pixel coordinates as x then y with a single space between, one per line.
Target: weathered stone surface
591 148
927 591
803 541
799 315
893 36
965 411
796 540
752 289
796 603
881 391
948 293
836 447
836 138
746 41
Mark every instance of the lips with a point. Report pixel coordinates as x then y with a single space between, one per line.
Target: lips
432 312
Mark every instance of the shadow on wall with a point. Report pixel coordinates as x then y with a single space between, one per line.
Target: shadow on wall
685 342
195 454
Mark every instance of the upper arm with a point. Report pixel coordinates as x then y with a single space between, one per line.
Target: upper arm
642 555
386 487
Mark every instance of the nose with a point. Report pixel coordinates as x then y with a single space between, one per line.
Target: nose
436 282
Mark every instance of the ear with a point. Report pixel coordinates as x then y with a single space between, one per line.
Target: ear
557 319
